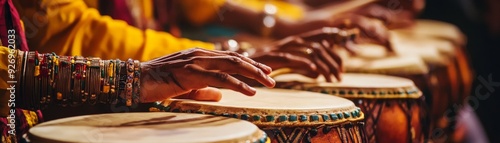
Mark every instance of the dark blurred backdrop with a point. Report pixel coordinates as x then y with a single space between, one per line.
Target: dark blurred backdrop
480 21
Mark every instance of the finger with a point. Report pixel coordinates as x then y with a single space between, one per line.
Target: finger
322 67
374 29
335 57
325 33
203 52
204 94
388 47
351 47
298 64
201 78
328 60
261 66
234 65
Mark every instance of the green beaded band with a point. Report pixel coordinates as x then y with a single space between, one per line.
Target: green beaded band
263 139
104 97
297 119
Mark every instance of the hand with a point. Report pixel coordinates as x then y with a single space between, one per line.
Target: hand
371 30
188 74
392 18
304 57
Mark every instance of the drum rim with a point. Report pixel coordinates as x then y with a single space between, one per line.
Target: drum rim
259 116
408 90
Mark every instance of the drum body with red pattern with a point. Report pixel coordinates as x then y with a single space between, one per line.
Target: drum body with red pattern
393 106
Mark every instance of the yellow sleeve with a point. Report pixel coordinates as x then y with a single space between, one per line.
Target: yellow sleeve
200 12
69 27
4 77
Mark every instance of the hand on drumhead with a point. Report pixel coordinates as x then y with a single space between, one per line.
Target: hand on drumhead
204 94
369 30
189 72
392 18
307 58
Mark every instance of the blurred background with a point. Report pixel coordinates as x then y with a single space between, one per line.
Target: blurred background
479 20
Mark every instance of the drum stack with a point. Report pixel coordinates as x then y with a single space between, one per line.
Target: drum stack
432 55
393 106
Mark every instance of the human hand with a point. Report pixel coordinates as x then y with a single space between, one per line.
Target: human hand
188 74
305 57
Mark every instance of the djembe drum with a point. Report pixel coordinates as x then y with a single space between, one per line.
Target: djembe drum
147 128
450 41
420 62
393 106
285 115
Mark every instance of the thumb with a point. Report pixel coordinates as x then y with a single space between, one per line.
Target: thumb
204 94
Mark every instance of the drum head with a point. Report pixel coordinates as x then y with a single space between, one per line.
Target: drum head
437 29
393 65
354 85
274 107
146 127
412 40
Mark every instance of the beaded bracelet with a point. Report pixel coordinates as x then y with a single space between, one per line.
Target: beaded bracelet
30 80
111 80
86 82
36 82
116 83
19 75
43 77
130 79
137 84
123 81
48 78
77 70
64 80
95 80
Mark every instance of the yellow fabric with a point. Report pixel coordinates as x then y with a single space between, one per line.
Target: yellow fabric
4 77
31 118
4 73
147 9
200 12
69 27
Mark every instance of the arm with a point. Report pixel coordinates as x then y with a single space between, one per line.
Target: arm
50 79
71 28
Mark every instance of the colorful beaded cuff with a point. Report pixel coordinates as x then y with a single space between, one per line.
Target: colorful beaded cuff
130 81
289 119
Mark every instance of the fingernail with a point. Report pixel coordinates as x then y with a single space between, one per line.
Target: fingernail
313 66
268 69
252 90
272 81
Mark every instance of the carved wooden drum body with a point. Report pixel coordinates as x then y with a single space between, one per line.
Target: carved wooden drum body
422 62
147 128
450 42
285 115
393 106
